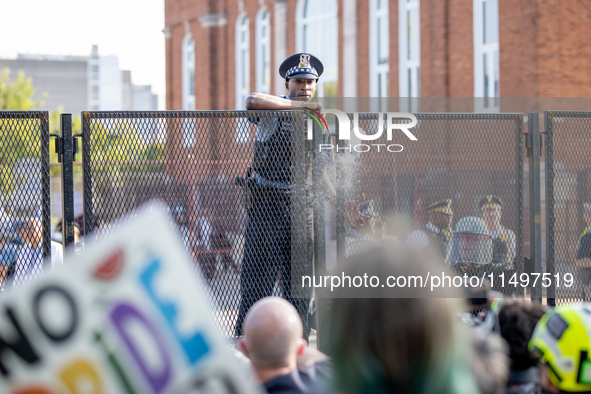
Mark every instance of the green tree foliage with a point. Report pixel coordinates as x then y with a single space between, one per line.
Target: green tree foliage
19 138
16 139
17 94
117 146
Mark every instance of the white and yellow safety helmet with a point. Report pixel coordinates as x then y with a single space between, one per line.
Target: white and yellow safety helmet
562 341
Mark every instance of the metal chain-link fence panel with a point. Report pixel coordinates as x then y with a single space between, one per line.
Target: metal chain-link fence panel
236 183
24 193
568 204
459 185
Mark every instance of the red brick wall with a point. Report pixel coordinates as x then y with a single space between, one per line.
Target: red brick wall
362 49
460 48
544 48
517 50
564 61
434 41
394 86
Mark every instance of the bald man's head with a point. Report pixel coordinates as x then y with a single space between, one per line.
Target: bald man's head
273 333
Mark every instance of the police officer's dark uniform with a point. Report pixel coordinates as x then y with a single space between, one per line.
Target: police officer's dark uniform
503 239
584 252
429 234
584 242
267 244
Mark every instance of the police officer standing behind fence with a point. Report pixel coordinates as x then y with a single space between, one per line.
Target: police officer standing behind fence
503 239
267 244
436 232
584 252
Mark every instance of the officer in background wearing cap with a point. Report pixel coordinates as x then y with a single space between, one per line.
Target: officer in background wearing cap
301 72
584 252
584 243
503 240
437 230
267 246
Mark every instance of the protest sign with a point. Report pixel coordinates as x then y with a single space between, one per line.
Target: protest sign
127 316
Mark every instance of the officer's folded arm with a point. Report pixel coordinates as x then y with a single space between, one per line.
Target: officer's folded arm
262 101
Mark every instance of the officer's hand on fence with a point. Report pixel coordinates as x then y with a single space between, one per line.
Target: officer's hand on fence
311 106
353 215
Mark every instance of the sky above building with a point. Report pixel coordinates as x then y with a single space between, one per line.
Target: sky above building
129 29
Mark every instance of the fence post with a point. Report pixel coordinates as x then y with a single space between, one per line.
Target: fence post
340 197
519 163
67 153
550 218
535 218
45 184
319 236
87 174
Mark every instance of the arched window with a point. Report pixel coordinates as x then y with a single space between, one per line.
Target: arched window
409 23
486 55
242 60
317 33
188 73
263 51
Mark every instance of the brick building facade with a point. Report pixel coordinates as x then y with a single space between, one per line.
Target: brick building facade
428 48
542 48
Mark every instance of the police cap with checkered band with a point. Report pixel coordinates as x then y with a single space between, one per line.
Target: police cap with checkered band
301 65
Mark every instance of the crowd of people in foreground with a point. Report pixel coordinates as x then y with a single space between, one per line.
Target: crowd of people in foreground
472 344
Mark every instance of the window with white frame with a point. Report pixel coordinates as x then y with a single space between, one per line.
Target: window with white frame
486 55
409 22
263 51
242 60
188 81
317 33
379 48
188 73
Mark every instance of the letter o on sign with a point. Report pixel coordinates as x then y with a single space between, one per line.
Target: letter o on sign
68 325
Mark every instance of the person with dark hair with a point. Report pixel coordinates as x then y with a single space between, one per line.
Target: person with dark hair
517 320
383 343
483 304
8 257
27 260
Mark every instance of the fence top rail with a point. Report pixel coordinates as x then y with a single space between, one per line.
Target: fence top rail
183 114
568 114
451 116
248 114
43 115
